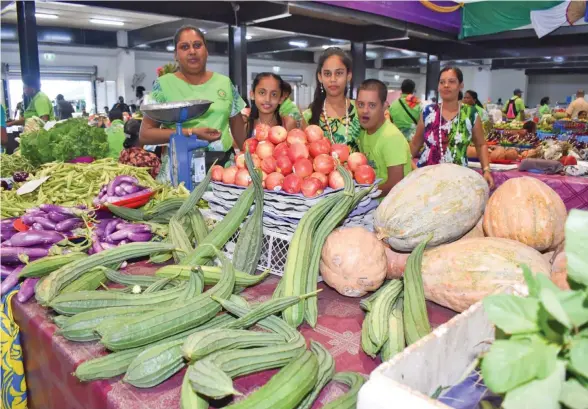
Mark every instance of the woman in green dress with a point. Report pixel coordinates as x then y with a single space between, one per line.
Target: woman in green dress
40 105
221 123
544 108
331 109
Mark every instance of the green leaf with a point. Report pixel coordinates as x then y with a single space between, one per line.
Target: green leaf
575 247
512 314
551 303
538 394
551 329
543 281
579 356
575 304
531 281
574 395
511 363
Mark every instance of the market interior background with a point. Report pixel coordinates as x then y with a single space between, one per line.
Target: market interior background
93 52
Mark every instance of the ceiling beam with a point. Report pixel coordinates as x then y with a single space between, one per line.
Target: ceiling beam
158 32
402 62
558 71
529 34
314 27
294 55
283 44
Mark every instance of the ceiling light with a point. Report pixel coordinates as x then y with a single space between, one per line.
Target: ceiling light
143 46
459 61
46 16
57 38
407 52
203 31
106 22
299 44
324 47
558 59
432 58
547 58
248 37
7 34
422 60
276 69
371 54
170 48
396 77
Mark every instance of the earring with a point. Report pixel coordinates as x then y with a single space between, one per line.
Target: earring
322 88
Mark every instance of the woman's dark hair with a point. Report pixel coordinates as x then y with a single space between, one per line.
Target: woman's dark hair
254 111
319 95
460 96
407 86
530 127
456 70
286 88
544 101
188 28
474 96
132 128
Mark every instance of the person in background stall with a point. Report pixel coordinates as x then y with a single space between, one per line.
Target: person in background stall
499 102
515 107
471 98
140 94
446 129
106 110
133 154
288 107
39 105
266 95
223 120
3 134
406 110
64 108
583 115
530 127
331 109
460 96
121 105
577 105
380 140
115 133
544 108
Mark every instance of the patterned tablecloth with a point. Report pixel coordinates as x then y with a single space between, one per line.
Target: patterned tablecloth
50 359
573 190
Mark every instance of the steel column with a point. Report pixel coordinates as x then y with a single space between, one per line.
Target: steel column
358 51
238 58
431 84
27 40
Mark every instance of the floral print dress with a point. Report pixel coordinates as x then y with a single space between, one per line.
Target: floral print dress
447 141
345 130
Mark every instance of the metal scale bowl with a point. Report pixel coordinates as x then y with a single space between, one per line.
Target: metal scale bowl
180 146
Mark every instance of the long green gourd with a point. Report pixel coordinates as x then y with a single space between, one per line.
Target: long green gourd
211 275
189 399
117 363
326 370
287 388
190 203
297 261
381 310
197 225
88 281
168 321
349 399
416 319
47 265
177 236
366 343
222 231
250 241
396 342
58 279
331 220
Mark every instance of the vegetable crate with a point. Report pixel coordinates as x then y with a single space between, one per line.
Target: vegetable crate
438 360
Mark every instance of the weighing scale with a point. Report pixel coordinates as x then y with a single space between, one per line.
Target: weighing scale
181 147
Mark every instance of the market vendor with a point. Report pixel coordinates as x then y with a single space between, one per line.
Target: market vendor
515 107
406 110
3 125
544 108
471 98
579 104
115 133
40 104
380 140
447 128
331 109
223 120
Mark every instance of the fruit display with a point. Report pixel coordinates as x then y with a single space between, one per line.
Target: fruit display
296 162
446 200
513 125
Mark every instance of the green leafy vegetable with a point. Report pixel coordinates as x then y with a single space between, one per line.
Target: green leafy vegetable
513 315
65 141
574 395
538 394
576 254
579 356
552 305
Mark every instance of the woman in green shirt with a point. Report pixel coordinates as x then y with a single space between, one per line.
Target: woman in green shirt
331 109
39 105
222 122
544 108
406 110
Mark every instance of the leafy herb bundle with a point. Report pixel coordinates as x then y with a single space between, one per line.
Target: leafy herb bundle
540 357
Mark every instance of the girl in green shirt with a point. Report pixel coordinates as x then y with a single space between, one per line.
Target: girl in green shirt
330 108
222 122
544 108
40 104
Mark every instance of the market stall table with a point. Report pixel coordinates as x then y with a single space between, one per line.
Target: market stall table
50 359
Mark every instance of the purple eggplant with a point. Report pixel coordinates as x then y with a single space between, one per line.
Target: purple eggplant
103 215
136 227
70 211
37 227
57 217
107 246
96 202
96 245
69 224
35 238
6 235
110 227
131 189
5 271
29 218
8 221
119 191
117 181
10 281
118 235
112 199
139 236
27 289
46 223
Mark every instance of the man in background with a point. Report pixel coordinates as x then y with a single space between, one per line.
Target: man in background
578 105
64 108
515 107
121 105
406 111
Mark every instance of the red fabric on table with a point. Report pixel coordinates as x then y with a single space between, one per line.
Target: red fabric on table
572 189
50 359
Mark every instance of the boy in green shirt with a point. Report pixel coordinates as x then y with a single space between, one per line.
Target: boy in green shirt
380 140
115 133
515 107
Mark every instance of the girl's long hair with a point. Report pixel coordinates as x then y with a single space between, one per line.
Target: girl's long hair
474 96
319 95
254 114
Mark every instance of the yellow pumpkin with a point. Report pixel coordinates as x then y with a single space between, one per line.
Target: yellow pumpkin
461 273
353 261
527 210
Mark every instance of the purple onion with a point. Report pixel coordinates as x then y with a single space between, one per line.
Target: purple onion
140 236
69 224
27 289
46 223
10 281
35 238
57 217
5 271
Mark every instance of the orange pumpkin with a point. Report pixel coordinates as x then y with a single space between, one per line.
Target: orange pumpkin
497 153
472 152
511 154
353 261
559 271
527 210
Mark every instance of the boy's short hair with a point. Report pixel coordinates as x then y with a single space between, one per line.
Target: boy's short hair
115 114
408 86
375 85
